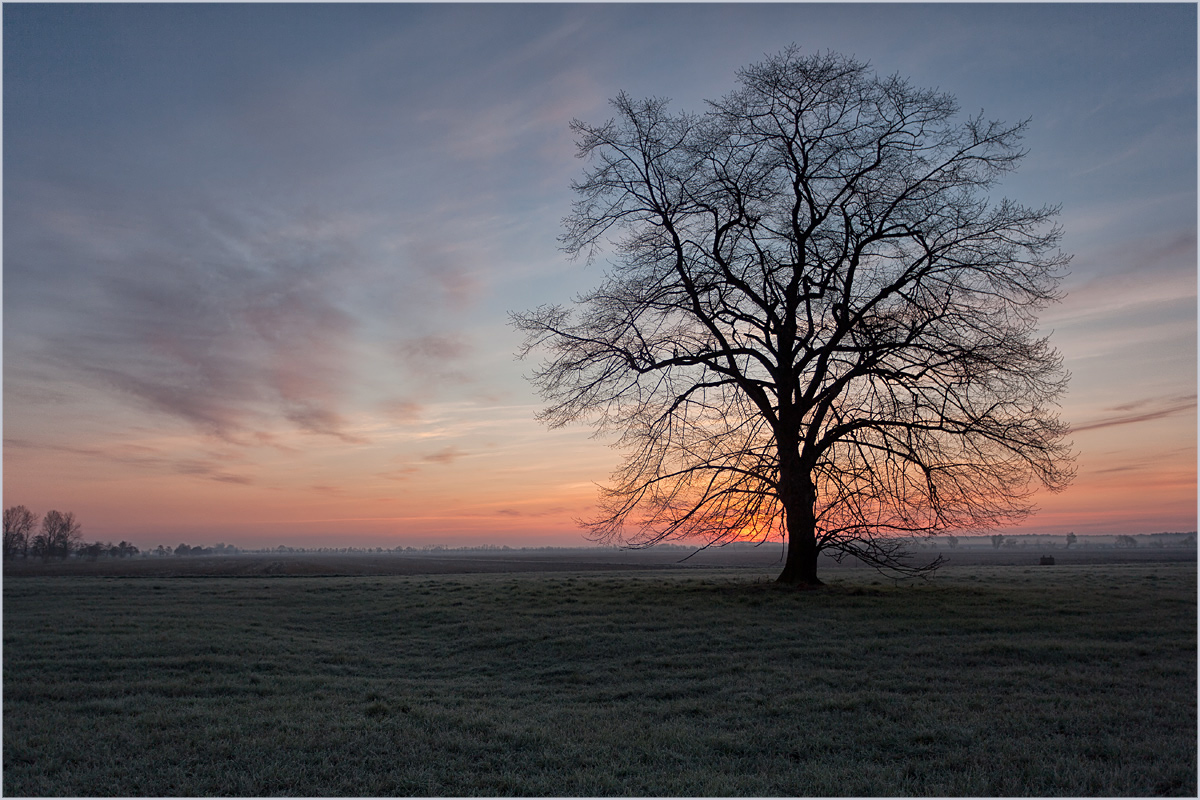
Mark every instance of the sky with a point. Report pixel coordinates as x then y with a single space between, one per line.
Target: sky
258 260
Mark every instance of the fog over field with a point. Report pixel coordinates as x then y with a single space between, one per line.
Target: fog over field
749 560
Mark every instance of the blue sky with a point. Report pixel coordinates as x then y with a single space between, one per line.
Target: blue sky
258 259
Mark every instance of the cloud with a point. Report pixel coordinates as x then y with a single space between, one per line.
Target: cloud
433 361
212 466
444 456
443 263
422 350
185 263
545 512
1160 408
401 409
1137 274
228 321
238 479
400 474
1144 301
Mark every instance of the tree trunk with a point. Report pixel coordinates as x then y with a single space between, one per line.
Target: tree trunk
800 567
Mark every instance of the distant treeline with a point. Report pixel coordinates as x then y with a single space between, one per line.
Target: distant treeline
1044 541
1156 540
225 549
220 549
435 548
60 536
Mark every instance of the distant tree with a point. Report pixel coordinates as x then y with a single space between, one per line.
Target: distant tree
18 527
952 541
818 327
1071 539
59 536
997 540
1126 541
94 550
124 550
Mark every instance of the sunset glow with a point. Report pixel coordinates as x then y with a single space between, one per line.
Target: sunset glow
259 260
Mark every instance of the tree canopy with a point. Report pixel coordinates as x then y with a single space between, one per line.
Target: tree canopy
816 325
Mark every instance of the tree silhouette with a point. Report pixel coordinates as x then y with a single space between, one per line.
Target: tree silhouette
18 526
59 536
817 325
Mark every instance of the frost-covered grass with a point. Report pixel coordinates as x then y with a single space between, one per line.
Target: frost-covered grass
989 681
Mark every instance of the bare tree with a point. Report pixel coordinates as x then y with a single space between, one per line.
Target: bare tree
18 525
818 327
59 536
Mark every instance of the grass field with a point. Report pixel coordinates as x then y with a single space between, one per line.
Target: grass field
1065 680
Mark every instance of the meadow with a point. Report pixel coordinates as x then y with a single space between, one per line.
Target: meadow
988 680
